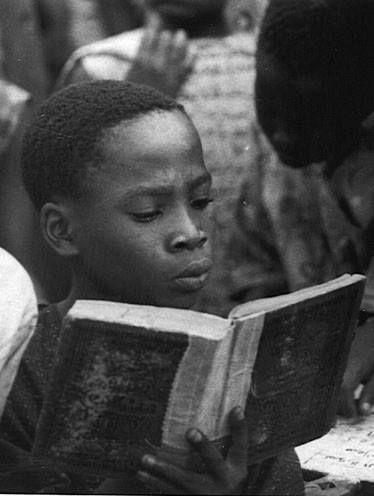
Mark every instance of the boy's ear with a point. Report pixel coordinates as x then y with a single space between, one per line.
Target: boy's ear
56 224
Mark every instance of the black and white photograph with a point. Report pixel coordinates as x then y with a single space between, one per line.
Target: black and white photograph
187 247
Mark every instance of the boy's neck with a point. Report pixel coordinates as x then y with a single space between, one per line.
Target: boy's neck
206 27
80 290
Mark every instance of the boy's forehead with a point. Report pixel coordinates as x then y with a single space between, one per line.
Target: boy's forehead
158 133
154 148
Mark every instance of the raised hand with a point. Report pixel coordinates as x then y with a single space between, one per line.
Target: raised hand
164 59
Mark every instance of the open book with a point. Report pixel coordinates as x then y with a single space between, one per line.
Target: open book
132 379
346 451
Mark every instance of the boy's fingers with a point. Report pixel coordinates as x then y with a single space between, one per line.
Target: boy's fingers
212 458
166 473
155 483
190 59
165 45
239 435
346 405
154 22
351 380
151 37
146 42
366 400
180 46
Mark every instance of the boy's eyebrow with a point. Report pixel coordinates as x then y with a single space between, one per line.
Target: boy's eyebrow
161 190
198 181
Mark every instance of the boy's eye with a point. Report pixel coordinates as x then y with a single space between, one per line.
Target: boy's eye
146 216
201 203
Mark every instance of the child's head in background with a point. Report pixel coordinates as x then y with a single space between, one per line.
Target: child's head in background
315 77
186 9
197 17
117 173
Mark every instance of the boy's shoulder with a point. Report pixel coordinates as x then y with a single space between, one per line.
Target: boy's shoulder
40 354
48 326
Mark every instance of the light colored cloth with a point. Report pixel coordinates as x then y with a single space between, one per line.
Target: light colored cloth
12 103
219 98
18 314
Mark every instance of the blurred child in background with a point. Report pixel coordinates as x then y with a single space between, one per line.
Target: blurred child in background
314 99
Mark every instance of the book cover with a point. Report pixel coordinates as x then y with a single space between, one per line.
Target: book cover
131 379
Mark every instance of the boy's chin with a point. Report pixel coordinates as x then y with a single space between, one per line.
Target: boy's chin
185 301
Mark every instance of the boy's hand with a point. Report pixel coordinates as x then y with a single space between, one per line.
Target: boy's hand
360 370
164 60
222 476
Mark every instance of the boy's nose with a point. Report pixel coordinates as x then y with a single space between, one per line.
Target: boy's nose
188 236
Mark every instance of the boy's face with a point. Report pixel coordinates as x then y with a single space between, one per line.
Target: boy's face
303 117
141 232
186 9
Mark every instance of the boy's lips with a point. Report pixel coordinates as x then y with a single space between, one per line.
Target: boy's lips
194 276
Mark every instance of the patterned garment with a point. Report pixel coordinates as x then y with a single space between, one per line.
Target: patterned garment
219 98
18 314
299 228
20 473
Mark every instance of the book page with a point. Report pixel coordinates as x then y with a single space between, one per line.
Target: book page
347 450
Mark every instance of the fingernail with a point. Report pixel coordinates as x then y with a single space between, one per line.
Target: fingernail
142 475
148 460
195 436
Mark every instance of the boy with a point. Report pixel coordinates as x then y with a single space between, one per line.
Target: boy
117 173
314 97
216 88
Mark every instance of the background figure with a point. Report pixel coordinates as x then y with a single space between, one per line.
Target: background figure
54 20
216 88
314 98
24 84
93 20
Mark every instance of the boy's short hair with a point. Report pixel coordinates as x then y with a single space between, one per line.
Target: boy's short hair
316 37
60 144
